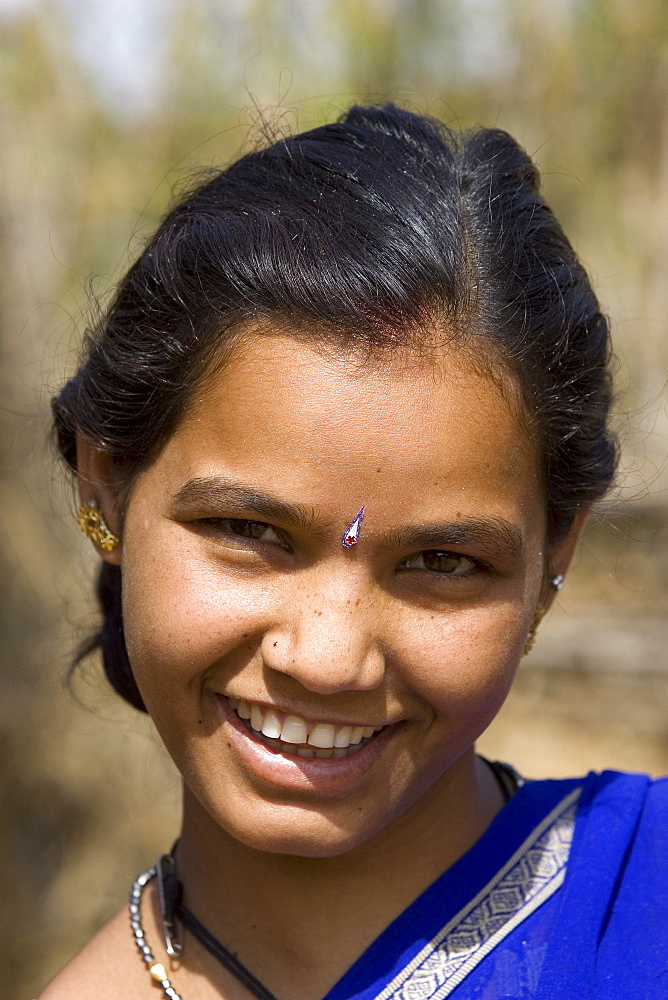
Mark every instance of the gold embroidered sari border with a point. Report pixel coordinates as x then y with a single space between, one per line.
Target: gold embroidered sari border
449 966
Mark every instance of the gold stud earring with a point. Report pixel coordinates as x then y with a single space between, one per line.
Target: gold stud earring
94 526
531 637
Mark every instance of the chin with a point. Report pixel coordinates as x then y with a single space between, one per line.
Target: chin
308 834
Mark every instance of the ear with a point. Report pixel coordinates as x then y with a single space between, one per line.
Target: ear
561 554
97 481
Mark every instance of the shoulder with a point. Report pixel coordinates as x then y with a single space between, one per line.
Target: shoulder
621 800
622 829
613 816
108 965
637 794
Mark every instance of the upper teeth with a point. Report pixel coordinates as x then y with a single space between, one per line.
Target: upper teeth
294 729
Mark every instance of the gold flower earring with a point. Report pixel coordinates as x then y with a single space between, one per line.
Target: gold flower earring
94 526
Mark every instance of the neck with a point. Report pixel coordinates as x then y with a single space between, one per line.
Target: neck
276 910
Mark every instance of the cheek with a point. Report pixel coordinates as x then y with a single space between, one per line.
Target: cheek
181 619
466 661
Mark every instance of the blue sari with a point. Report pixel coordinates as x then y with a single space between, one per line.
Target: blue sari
565 897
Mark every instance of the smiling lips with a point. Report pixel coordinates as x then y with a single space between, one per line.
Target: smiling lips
294 735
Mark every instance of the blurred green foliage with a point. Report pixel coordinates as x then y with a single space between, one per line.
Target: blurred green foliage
582 83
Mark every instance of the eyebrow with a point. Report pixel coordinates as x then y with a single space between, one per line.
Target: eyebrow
217 491
486 533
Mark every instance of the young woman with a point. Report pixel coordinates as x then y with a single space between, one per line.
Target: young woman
335 442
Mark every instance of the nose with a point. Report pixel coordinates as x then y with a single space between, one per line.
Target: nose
328 639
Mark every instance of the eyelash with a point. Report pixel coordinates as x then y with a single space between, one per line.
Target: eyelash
476 565
225 524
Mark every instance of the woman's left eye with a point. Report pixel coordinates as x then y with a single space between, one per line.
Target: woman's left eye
439 561
241 528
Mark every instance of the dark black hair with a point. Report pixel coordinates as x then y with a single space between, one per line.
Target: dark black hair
366 230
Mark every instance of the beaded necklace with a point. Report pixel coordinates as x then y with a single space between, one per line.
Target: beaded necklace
174 913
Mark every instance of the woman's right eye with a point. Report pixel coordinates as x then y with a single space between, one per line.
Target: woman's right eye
245 529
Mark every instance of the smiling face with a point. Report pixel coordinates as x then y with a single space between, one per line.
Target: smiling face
372 668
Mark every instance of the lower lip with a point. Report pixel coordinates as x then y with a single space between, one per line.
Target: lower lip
327 776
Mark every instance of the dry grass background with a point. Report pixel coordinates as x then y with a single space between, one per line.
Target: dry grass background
86 168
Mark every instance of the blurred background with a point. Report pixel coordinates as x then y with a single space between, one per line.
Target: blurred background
105 107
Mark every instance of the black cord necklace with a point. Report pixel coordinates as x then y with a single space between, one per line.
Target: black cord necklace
176 916
507 778
225 957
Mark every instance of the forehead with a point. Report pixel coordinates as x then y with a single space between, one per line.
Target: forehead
401 430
